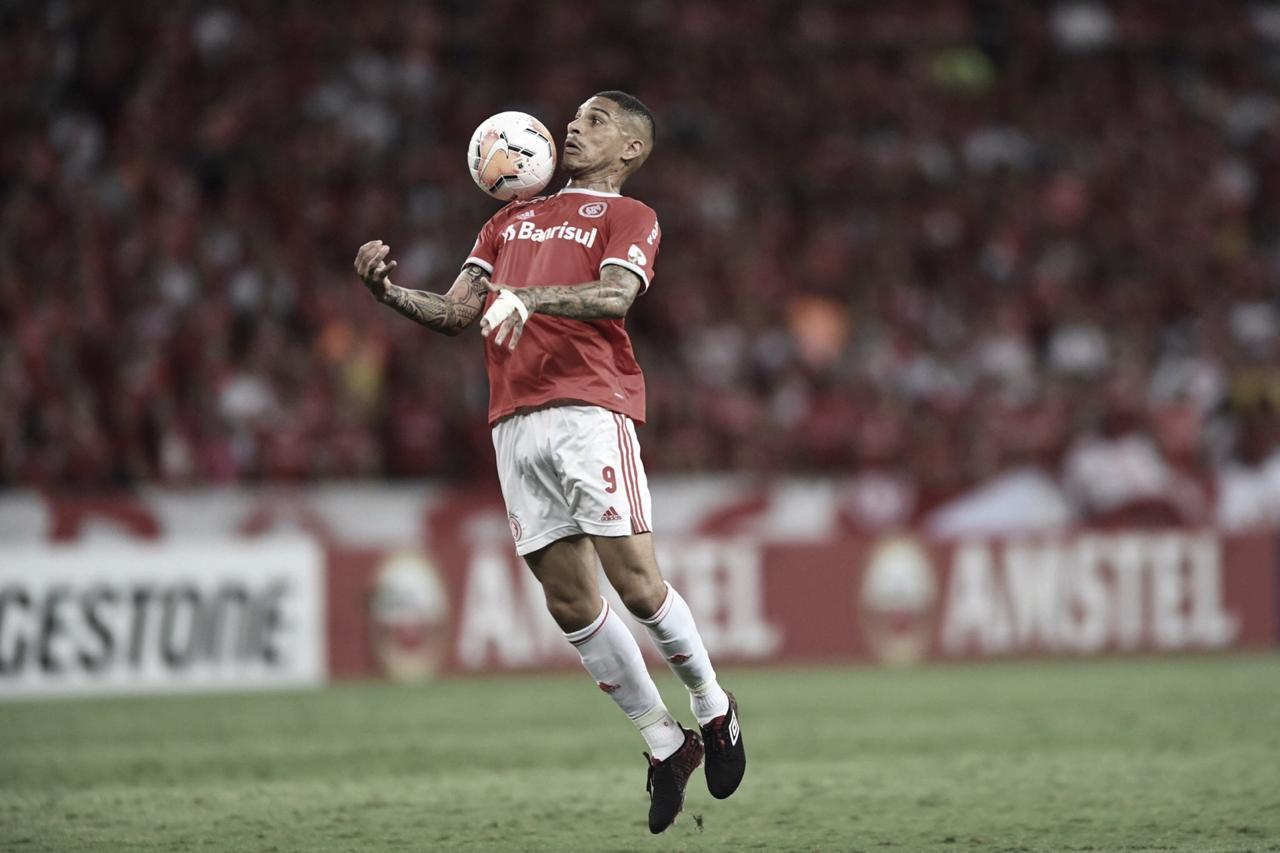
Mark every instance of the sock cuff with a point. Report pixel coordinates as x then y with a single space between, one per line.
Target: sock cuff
663 609
580 636
656 714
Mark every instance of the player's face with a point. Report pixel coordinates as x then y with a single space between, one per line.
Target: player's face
595 138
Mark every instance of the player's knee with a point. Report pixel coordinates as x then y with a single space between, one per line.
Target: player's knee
642 594
571 605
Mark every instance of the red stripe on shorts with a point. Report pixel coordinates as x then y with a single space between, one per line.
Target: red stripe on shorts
639 524
635 478
622 462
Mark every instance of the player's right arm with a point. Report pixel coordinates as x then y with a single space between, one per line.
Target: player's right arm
448 314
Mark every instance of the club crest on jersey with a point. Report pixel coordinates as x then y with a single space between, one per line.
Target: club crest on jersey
563 231
593 209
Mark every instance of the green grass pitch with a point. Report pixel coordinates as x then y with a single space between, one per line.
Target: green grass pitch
1147 755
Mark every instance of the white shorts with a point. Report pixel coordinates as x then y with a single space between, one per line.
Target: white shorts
567 470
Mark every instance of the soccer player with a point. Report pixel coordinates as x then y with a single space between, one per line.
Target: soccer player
554 277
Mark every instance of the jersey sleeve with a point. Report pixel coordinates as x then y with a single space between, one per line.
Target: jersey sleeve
634 236
485 252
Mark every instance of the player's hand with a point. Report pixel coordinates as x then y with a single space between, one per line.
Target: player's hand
373 268
507 315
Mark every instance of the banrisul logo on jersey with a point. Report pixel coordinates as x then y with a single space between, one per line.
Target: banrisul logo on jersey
563 231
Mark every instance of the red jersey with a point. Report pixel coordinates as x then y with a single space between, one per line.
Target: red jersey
566 239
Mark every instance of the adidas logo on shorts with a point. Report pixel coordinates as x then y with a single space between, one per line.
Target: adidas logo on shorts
611 514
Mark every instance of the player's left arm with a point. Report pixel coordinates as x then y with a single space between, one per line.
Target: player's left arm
608 298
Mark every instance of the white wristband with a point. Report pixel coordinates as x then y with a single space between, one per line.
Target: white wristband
502 307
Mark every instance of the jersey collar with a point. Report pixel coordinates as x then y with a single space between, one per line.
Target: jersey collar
589 192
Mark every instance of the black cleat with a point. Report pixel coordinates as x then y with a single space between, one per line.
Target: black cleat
667 780
726 756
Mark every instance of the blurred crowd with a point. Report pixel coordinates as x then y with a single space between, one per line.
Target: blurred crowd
925 246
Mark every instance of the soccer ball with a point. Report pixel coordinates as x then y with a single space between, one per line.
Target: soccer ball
512 156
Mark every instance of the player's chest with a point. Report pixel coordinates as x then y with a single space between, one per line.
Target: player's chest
562 231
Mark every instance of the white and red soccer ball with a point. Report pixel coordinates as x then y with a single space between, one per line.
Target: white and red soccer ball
512 156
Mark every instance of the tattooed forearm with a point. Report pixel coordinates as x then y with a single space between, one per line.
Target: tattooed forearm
430 309
448 314
610 297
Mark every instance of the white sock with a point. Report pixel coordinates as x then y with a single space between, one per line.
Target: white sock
676 636
611 655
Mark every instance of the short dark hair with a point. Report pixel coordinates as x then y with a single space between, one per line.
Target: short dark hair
634 106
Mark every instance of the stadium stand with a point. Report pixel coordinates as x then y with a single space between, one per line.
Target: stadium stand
931 252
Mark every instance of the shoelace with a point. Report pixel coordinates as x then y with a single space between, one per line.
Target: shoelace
676 759
719 731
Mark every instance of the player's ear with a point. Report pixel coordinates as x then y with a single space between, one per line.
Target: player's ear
634 151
